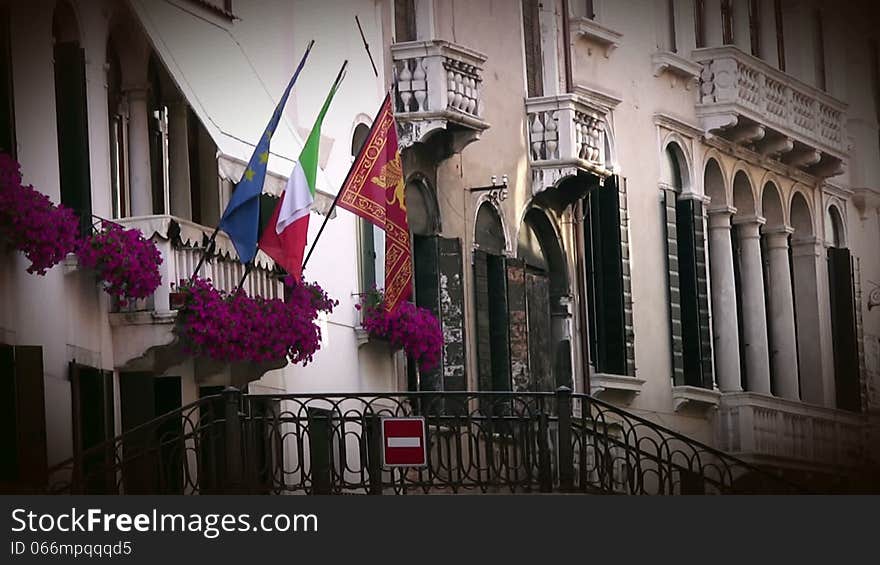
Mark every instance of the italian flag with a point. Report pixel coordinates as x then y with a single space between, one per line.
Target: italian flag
284 238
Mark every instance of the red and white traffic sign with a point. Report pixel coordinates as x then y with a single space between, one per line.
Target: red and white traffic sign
403 442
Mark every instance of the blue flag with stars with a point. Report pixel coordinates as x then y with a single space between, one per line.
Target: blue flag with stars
241 219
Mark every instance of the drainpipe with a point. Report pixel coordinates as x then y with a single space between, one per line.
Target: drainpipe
578 212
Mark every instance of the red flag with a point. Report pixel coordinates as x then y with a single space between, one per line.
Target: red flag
374 191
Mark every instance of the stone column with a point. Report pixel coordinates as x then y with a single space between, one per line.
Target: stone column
783 357
724 316
754 315
178 149
807 257
140 182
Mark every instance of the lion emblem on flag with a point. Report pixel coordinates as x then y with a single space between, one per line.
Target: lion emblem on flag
391 175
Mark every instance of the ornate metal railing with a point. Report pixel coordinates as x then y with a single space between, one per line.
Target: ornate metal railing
477 442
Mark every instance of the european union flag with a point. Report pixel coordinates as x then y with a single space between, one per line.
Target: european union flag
241 220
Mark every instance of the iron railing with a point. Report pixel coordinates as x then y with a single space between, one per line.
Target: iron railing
477 442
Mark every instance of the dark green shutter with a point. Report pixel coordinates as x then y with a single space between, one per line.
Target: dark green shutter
843 329
483 325
518 324
368 255
673 286
451 285
705 336
540 350
498 322
609 300
73 132
427 295
7 111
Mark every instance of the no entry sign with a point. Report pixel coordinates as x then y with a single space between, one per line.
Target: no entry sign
403 442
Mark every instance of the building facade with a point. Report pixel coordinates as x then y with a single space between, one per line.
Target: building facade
669 204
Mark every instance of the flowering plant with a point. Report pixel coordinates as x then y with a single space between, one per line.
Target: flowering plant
408 326
44 232
232 327
125 260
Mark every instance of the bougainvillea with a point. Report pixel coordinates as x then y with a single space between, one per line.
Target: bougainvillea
233 327
409 327
125 260
31 223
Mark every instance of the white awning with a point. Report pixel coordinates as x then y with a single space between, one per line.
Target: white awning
219 82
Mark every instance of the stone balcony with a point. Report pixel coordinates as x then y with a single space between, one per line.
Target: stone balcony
143 336
769 430
439 90
567 135
747 101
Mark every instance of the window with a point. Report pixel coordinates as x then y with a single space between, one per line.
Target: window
727 22
404 20
755 27
490 299
670 10
819 50
23 458
71 118
608 286
686 279
844 336
589 10
118 127
700 23
780 36
7 114
875 80
532 45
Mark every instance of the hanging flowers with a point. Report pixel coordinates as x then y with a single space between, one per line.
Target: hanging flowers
31 223
409 327
233 327
125 260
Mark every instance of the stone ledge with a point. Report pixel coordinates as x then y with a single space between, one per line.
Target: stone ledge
693 398
620 388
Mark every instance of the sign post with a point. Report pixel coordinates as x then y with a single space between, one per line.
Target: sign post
403 442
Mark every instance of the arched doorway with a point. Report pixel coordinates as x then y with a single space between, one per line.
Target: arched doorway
538 290
490 301
841 279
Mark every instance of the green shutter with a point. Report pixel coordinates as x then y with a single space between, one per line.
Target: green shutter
708 380
673 286
73 132
427 295
626 278
498 322
368 255
518 324
538 315
483 326
451 285
609 300
843 330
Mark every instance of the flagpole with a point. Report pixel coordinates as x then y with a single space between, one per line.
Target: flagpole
336 83
213 237
339 192
348 175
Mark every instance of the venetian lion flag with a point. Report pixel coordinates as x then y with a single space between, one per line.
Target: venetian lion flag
374 190
284 238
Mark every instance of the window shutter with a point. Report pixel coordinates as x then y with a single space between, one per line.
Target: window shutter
7 108
8 417
368 255
843 329
673 282
137 394
705 341
518 324
484 341
404 20
626 277
498 322
532 39
540 350
609 301
31 414
452 313
73 133
427 295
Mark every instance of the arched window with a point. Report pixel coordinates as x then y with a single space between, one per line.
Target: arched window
70 108
118 128
686 277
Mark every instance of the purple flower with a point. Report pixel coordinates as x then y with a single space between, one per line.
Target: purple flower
127 262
